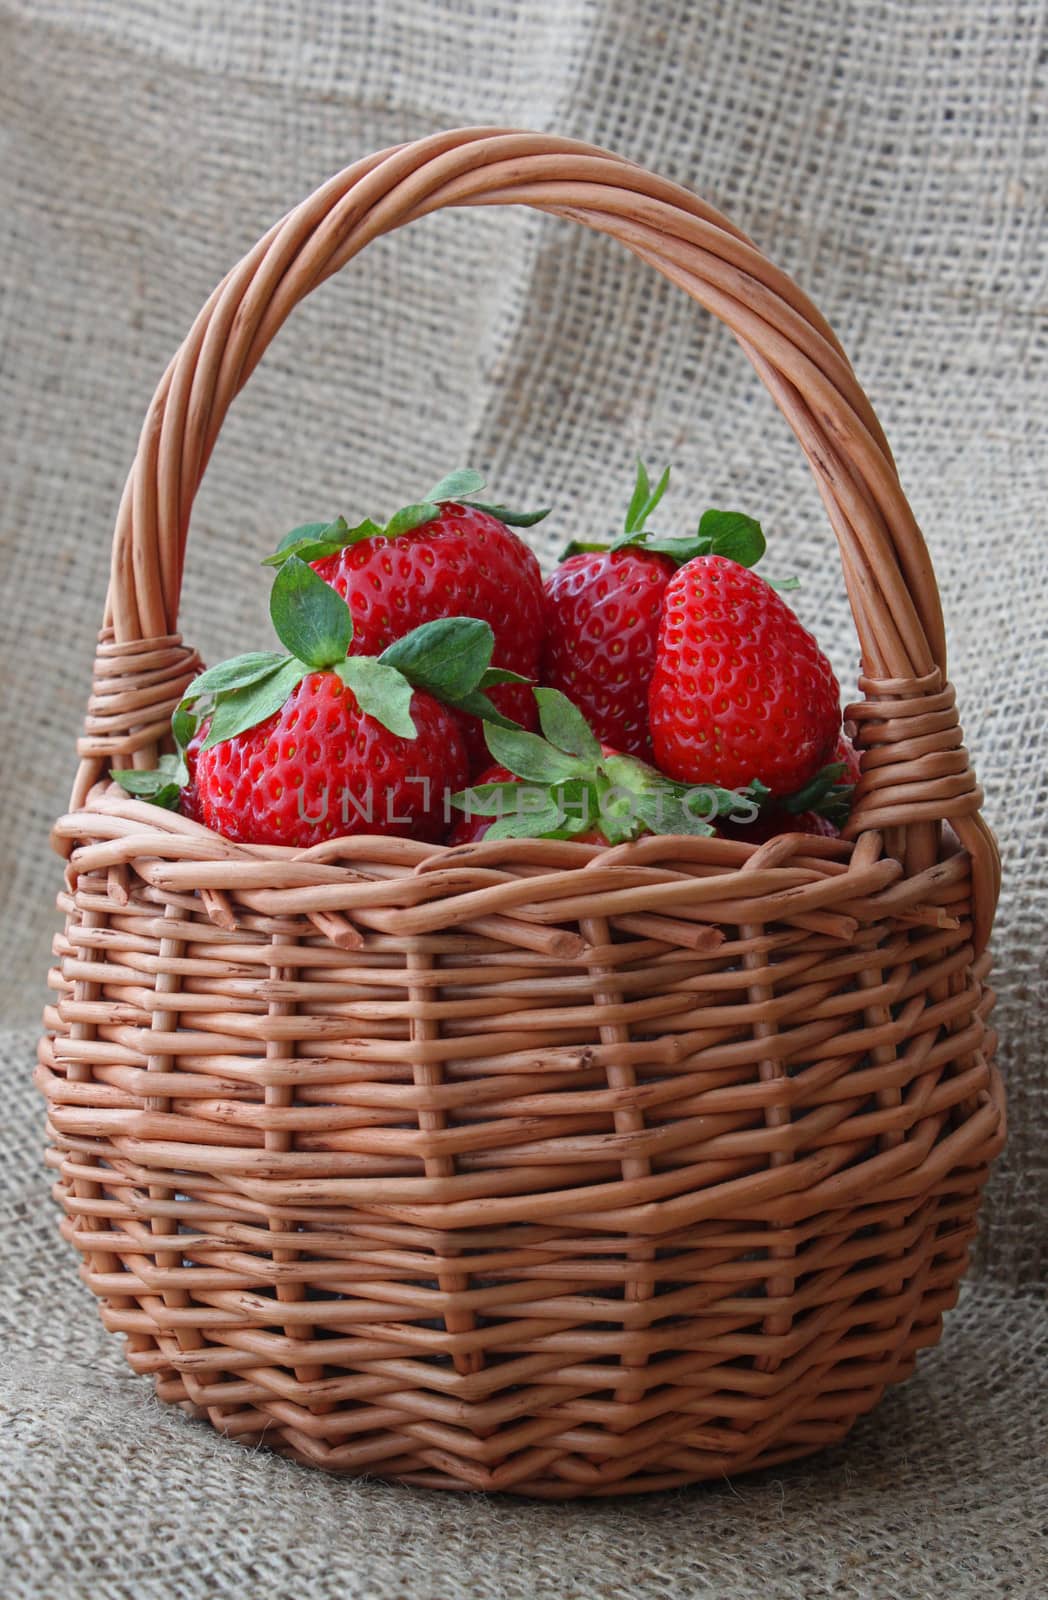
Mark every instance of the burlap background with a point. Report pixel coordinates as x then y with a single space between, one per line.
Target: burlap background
892 156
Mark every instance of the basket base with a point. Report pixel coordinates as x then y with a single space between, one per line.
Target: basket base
673 1462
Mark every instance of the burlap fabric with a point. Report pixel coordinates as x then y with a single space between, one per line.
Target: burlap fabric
891 156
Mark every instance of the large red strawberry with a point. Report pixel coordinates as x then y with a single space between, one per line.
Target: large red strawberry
603 606
740 691
316 744
566 785
447 556
320 768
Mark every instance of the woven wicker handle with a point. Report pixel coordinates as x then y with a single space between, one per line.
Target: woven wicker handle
916 773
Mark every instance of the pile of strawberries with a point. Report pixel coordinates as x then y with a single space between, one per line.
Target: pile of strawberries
651 685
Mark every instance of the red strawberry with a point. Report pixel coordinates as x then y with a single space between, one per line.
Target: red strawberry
741 691
602 623
604 604
320 768
445 557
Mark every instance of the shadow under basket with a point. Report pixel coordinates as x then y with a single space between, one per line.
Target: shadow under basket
527 1166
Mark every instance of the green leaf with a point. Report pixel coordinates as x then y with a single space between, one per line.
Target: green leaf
310 530
783 585
825 794
457 485
184 724
679 550
409 517
512 519
311 619
733 534
816 788
367 529
161 786
477 704
619 798
531 757
234 674
535 810
723 533
564 725
582 547
488 799
529 811
381 692
167 796
169 769
667 811
529 825
461 486
331 538
447 657
639 498
314 540
643 500
496 675
240 709
662 805
578 800
632 798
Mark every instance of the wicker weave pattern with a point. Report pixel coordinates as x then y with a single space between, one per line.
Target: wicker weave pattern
530 1165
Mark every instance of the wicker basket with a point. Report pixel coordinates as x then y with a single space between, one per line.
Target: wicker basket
530 1166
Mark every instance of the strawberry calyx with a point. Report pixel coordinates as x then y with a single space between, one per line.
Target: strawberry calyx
828 794
161 785
312 541
571 786
448 658
719 533
722 533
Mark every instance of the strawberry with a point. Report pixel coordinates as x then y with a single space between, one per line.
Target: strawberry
603 606
320 768
446 556
316 744
603 611
566 785
740 690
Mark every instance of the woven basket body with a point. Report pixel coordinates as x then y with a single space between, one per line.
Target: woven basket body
531 1166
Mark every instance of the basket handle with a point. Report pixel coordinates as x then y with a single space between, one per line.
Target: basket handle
916 772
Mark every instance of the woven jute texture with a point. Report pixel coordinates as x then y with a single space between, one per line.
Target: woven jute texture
892 163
